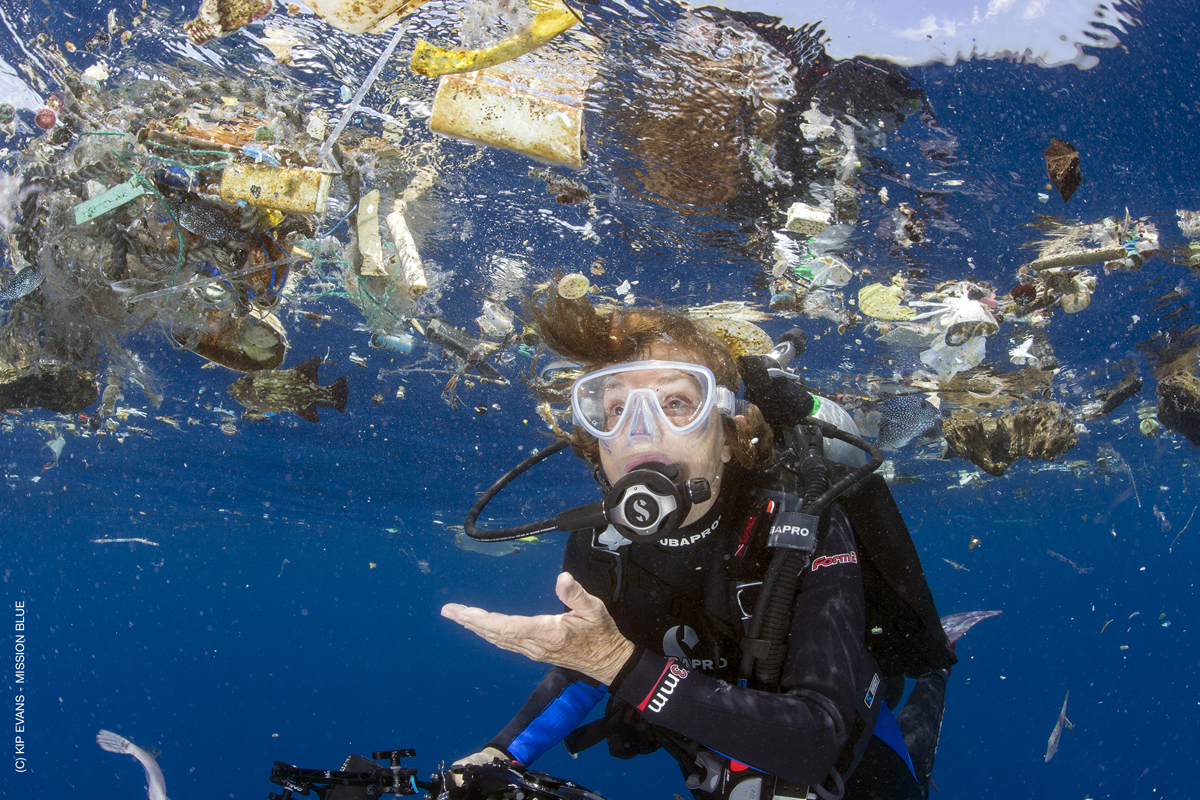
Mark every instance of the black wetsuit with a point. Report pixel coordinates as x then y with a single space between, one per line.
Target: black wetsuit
679 689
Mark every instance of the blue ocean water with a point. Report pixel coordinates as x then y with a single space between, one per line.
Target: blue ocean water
289 610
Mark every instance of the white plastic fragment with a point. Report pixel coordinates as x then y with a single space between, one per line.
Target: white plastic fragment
317 126
948 361
369 243
95 74
807 220
412 270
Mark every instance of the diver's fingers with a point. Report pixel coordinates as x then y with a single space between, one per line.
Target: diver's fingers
576 598
519 634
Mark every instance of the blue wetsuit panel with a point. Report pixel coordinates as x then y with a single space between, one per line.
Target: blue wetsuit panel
887 730
564 714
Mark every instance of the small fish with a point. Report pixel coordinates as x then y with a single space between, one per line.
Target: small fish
296 390
956 565
957 625
22 284
1056 734
904 418
206 220
156 788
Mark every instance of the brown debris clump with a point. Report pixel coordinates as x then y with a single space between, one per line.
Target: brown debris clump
55 387
1039 430
1179 405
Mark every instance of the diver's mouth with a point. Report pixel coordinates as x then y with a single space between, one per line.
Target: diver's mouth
645 458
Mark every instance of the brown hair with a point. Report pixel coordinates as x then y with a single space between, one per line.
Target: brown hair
594 337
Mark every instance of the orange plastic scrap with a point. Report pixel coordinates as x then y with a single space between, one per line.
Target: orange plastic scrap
433 61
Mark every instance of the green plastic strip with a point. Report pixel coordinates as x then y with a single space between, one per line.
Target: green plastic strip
115 197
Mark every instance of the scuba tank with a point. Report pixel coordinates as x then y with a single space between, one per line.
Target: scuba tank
826 410
776 390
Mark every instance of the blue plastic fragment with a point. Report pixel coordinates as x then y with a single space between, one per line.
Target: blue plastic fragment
259 154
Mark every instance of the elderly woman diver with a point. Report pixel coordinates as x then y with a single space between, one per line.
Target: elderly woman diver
727 593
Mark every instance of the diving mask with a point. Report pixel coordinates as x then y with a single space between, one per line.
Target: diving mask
646 398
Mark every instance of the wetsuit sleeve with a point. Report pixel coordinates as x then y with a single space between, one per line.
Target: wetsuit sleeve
557 706
796 734
562 700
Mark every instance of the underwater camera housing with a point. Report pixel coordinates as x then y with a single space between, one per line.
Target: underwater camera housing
363 779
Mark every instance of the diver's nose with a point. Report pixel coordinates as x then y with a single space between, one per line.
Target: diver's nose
642 419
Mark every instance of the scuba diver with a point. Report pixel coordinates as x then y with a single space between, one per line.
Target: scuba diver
746 601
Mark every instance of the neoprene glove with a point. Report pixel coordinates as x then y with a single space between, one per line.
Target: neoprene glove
783 402
485 756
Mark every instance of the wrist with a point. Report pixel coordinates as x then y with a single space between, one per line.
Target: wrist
622 653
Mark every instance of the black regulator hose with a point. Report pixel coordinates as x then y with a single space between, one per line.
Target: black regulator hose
520 531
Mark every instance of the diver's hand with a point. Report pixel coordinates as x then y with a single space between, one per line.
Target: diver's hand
485 756
584 639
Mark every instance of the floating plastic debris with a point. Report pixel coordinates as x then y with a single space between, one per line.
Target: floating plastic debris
807 220
948 360
291 189
397 342
553 17
884 302
110 199
370 245
533 107
131 540
412 269
323 158
355 16
573 286
743 338
464 542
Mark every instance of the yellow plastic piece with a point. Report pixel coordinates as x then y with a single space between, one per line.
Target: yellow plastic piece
433 61
883 302
741 337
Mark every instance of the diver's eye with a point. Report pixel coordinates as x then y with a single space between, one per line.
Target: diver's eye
612 414
676 407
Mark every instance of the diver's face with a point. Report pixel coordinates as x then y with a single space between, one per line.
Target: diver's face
699 454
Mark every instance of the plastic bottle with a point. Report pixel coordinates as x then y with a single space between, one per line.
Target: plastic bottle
396 342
